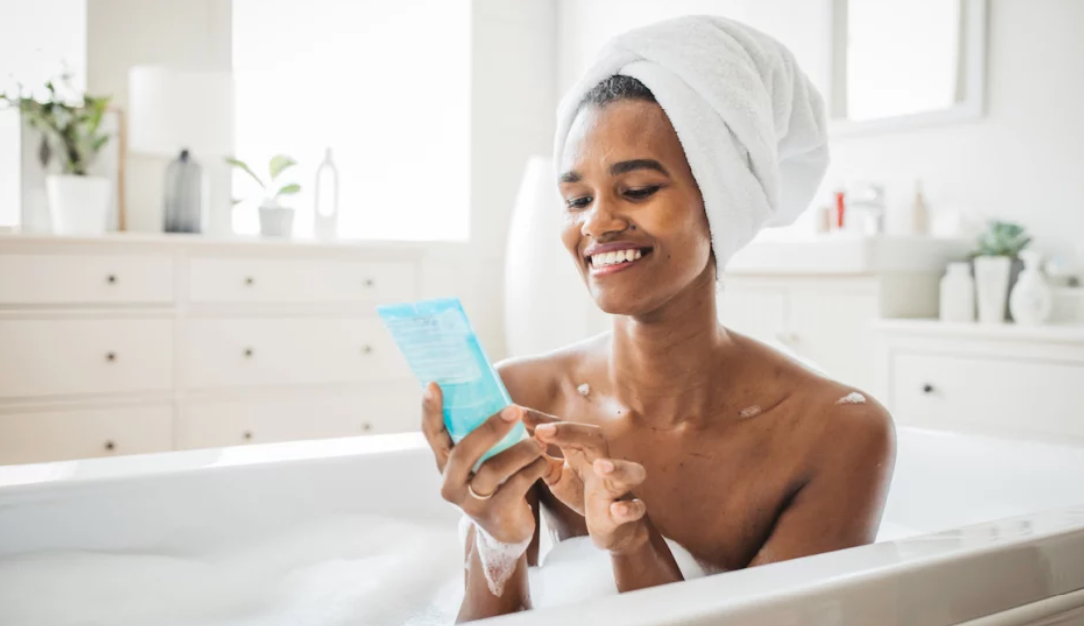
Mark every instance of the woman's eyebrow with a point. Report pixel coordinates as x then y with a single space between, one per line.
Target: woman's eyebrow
619 168
623 167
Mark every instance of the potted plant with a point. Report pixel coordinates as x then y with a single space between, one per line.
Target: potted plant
71 133
276 220
998 253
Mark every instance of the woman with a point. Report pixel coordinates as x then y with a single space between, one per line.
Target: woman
670 427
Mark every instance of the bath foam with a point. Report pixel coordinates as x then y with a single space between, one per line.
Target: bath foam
750 411
342 571
498 559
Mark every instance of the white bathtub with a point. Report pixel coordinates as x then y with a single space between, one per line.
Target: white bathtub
951 562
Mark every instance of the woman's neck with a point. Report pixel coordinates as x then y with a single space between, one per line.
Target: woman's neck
665 366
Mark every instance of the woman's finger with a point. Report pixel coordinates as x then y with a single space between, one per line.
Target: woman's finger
584 438
564 483
618 477
465 454
517 486
433 424
624 511
532 418
501 467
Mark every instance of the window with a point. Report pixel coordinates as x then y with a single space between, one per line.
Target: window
385 84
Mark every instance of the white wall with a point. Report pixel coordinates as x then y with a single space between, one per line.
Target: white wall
193 34
1024 161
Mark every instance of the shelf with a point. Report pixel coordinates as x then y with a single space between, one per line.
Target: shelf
1069 333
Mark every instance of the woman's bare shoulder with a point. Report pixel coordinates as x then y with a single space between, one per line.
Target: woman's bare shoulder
829 413
541 381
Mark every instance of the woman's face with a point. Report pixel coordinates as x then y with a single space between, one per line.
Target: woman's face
635 221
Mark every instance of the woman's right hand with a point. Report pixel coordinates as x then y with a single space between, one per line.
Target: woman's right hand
499 503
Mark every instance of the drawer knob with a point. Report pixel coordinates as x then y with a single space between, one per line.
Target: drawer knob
248 353
247 435
111 279
111 356
367 350
110 446
366 427
369 282
927 388
249 281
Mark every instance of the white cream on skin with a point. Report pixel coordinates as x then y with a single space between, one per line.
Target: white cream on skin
852 398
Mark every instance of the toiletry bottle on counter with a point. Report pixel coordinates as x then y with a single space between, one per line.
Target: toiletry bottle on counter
326 201
1031 299
920 212
839 218
957 294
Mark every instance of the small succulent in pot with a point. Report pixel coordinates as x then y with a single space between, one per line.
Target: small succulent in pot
275 219
1002 239
996 264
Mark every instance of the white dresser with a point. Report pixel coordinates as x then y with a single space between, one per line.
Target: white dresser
817 297
1002 380
130 344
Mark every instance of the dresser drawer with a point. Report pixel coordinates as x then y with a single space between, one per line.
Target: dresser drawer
283 351
999 393
85 279
61 357
268 280
62 435
213 424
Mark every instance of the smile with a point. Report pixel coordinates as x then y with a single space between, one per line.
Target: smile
608 261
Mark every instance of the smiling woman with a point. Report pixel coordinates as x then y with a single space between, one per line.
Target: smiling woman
694 449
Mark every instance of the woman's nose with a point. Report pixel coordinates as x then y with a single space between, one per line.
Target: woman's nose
603 218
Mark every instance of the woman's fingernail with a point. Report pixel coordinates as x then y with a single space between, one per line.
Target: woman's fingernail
604 466
545 431
427 393
510 413
621 509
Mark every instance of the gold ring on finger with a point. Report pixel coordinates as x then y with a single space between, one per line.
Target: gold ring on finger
474 494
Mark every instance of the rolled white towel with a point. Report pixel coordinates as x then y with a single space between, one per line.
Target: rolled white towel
751 123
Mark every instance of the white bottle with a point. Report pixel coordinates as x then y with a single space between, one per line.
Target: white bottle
958 294
1031 299
920 212
326 200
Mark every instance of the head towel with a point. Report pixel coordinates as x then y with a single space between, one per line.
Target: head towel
750 121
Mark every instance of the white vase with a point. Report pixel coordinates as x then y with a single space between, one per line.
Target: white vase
992 287
78 205
546 304
958 294
276 220
1031 299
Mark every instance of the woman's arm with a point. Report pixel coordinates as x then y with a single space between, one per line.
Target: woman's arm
840 505
478 600
647 562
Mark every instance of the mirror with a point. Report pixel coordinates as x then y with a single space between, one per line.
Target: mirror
899 64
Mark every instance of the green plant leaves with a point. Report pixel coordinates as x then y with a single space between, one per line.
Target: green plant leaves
1003 239
72 127
244 167
280 162
288 190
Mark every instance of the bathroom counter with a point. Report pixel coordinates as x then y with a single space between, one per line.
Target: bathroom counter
843 254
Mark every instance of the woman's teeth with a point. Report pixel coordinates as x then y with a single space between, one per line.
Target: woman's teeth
613 258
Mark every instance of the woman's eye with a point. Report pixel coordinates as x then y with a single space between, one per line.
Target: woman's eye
641 193
578 203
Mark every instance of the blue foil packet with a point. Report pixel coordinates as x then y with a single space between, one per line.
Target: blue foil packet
440 346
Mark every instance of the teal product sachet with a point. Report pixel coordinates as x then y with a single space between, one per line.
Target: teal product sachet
440 346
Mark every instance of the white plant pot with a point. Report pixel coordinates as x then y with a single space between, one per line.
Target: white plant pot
78 205
992 287
276 220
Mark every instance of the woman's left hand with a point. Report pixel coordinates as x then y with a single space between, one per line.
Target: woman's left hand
615 518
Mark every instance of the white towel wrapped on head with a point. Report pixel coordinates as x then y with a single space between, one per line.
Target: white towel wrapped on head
751 123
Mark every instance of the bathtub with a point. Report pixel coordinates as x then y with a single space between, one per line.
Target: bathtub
977 530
